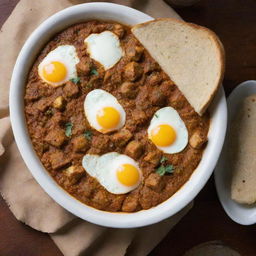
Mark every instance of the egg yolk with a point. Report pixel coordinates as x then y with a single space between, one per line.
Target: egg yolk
128 175
163 135
108 117
54 72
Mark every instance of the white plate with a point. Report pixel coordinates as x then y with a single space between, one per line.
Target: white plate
240 213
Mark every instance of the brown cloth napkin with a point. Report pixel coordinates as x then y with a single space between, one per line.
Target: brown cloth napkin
28 202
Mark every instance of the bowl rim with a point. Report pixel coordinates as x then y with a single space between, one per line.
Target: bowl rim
218 112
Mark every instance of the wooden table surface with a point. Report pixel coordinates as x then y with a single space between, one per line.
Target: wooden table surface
235 22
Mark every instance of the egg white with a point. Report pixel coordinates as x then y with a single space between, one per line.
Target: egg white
104 169
104 48
66 54
95 101
170 116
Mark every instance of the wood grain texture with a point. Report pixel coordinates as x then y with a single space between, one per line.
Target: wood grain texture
6 7
234 21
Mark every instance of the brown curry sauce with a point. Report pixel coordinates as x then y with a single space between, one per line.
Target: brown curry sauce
142 88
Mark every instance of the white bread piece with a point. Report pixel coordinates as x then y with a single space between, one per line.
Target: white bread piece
191 55
241 139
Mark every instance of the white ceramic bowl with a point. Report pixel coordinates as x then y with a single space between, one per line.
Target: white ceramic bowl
28 53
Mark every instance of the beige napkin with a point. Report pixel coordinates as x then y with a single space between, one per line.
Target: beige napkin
28 202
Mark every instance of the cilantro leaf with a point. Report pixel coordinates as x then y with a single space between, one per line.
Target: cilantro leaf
94 72
88 134
162 170
169 169
68 131
163 159
75 80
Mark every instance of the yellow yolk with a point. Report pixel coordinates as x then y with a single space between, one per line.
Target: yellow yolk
54 72
108 118
128 175
163 135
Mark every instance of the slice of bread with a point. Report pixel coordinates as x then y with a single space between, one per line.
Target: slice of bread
191 55
241 148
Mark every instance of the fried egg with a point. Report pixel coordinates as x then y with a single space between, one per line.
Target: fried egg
167 131
103 111
59 65
117 173
104 48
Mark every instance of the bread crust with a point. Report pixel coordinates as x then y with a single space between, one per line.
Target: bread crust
215 39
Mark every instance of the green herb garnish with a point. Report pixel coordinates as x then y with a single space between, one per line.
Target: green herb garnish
94 72
49 112
75 80
156 115
68 130
88 135
162 170
163 159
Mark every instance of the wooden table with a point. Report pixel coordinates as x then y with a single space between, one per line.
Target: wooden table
235 22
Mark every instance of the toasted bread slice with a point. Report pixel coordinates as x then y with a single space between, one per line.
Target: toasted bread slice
191 55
